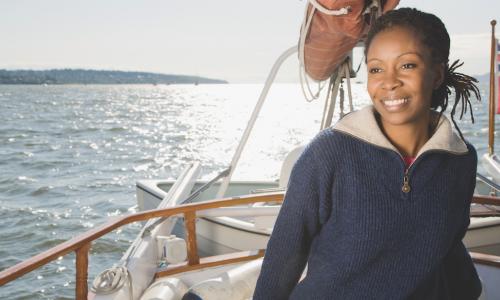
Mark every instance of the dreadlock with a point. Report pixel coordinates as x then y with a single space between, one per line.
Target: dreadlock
434 35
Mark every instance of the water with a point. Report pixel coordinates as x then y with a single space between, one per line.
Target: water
70 157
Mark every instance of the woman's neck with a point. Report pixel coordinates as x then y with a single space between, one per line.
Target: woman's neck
408 138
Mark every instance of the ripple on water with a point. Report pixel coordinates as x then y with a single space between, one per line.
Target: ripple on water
41 190
117 129
49 243
109 246
39 165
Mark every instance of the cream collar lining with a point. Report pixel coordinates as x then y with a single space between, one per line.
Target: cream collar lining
363 125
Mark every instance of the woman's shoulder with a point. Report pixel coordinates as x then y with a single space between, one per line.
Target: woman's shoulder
324 149
472 153
471 148
323 140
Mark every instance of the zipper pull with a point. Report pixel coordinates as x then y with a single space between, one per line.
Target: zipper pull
406 185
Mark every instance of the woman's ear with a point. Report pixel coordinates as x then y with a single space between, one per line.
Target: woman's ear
440 73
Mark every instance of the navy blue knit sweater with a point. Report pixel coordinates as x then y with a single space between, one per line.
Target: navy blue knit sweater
346 215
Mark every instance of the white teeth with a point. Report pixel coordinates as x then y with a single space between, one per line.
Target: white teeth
395 102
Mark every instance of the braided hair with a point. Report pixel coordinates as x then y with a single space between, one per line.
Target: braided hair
433 34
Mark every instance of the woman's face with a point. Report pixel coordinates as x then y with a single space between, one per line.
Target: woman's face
401 77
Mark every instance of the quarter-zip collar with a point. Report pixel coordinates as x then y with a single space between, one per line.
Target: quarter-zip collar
363 125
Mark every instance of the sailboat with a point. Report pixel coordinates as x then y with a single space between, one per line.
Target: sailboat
229 221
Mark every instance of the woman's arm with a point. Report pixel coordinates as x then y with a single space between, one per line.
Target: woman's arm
296 225
461 274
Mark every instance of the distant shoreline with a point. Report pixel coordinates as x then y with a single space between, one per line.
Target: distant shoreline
83 76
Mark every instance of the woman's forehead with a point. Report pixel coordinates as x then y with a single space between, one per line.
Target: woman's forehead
397 41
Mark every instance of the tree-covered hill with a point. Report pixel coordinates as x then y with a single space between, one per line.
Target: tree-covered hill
81 76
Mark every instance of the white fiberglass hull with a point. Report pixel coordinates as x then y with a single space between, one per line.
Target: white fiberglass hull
225 234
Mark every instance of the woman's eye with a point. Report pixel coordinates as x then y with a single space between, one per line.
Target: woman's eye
409 66
374 70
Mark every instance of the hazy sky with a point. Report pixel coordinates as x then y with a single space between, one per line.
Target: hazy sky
233 40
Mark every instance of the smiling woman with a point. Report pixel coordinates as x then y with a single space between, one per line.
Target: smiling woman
401 78
378 204
408 76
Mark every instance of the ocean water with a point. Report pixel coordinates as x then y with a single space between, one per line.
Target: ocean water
70 157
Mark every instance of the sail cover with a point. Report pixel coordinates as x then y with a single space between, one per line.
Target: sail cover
330 38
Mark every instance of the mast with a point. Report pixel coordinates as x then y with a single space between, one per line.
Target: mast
491 138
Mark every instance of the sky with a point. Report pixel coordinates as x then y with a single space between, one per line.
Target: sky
233 40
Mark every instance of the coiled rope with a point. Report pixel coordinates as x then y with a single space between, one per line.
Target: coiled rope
111 280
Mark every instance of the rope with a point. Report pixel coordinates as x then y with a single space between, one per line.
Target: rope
111 280
347 74
304 79
330 12
330 100
348 79
341 100
335 87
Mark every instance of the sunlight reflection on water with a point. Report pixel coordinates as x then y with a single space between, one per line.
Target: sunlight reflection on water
70 157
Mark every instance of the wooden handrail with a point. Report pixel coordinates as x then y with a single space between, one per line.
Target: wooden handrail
81 243
485 259
211 261
484 214
483 199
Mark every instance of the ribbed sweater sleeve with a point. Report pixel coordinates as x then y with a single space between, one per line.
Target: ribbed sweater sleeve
462 278
295 227
470 193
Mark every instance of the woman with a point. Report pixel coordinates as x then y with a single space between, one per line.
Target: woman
377 205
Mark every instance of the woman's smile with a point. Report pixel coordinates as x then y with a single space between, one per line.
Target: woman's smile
395 104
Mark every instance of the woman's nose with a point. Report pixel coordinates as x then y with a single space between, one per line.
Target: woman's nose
391 81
